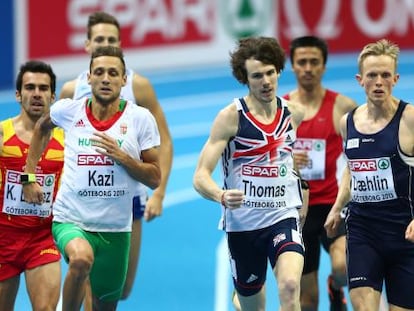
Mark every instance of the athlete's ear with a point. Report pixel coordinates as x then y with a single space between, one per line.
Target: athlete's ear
359 79
18 96
396 78
88 46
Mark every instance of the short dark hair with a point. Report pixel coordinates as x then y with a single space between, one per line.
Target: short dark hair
108 51
309 41
264 49
36 66
101 18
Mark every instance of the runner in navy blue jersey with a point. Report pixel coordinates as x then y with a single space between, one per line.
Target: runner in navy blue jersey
377 186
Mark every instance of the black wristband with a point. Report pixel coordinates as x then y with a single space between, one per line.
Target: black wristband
304 184
27 178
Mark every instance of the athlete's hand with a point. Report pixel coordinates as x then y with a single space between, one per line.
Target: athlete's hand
153 208
409 233
333 221
106 145
33 193
233 198
300 159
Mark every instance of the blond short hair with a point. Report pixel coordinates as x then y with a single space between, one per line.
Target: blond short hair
381 47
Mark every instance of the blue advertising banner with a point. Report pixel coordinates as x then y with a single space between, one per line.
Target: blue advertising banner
7 49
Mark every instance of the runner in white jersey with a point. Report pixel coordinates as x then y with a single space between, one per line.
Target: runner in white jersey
110 144
91 176
261 192
83 90
103 29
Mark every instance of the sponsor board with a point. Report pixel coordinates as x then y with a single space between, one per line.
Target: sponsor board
166 34
155 34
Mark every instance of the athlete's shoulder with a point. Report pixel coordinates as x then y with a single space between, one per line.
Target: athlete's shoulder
344 103
6 130
296 110
408 113
68 89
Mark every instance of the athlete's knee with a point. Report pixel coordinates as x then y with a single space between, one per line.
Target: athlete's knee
289 290
339 272
46 304
80 266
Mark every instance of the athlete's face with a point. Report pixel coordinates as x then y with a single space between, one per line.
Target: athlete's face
308 67
262 80
106 77
102 35
378 78
36 94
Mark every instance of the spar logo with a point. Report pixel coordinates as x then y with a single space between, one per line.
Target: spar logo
303 144
309 144
243 18
94 160
369 165
264 171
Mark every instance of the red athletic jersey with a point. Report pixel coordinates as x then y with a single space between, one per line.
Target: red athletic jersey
14 211
323 189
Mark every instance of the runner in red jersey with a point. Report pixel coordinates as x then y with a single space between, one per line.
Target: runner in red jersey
318 153
26 243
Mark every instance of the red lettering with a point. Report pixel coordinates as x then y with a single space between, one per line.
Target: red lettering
13 177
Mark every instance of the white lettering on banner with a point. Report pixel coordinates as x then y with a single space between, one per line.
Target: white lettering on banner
169 19
155 16
396 17
327 27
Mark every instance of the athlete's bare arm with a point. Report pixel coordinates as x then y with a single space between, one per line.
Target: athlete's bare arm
406 132
68 89
224 127
145 96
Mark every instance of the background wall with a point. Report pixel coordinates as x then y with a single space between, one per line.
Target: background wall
163 34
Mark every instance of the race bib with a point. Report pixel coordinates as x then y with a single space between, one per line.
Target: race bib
269 187
372 180
14 203
100 181
316 150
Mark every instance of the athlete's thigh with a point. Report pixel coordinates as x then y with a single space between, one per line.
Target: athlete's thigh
248 261
111 255
312 231
8 292
46 294
365 260
289 265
